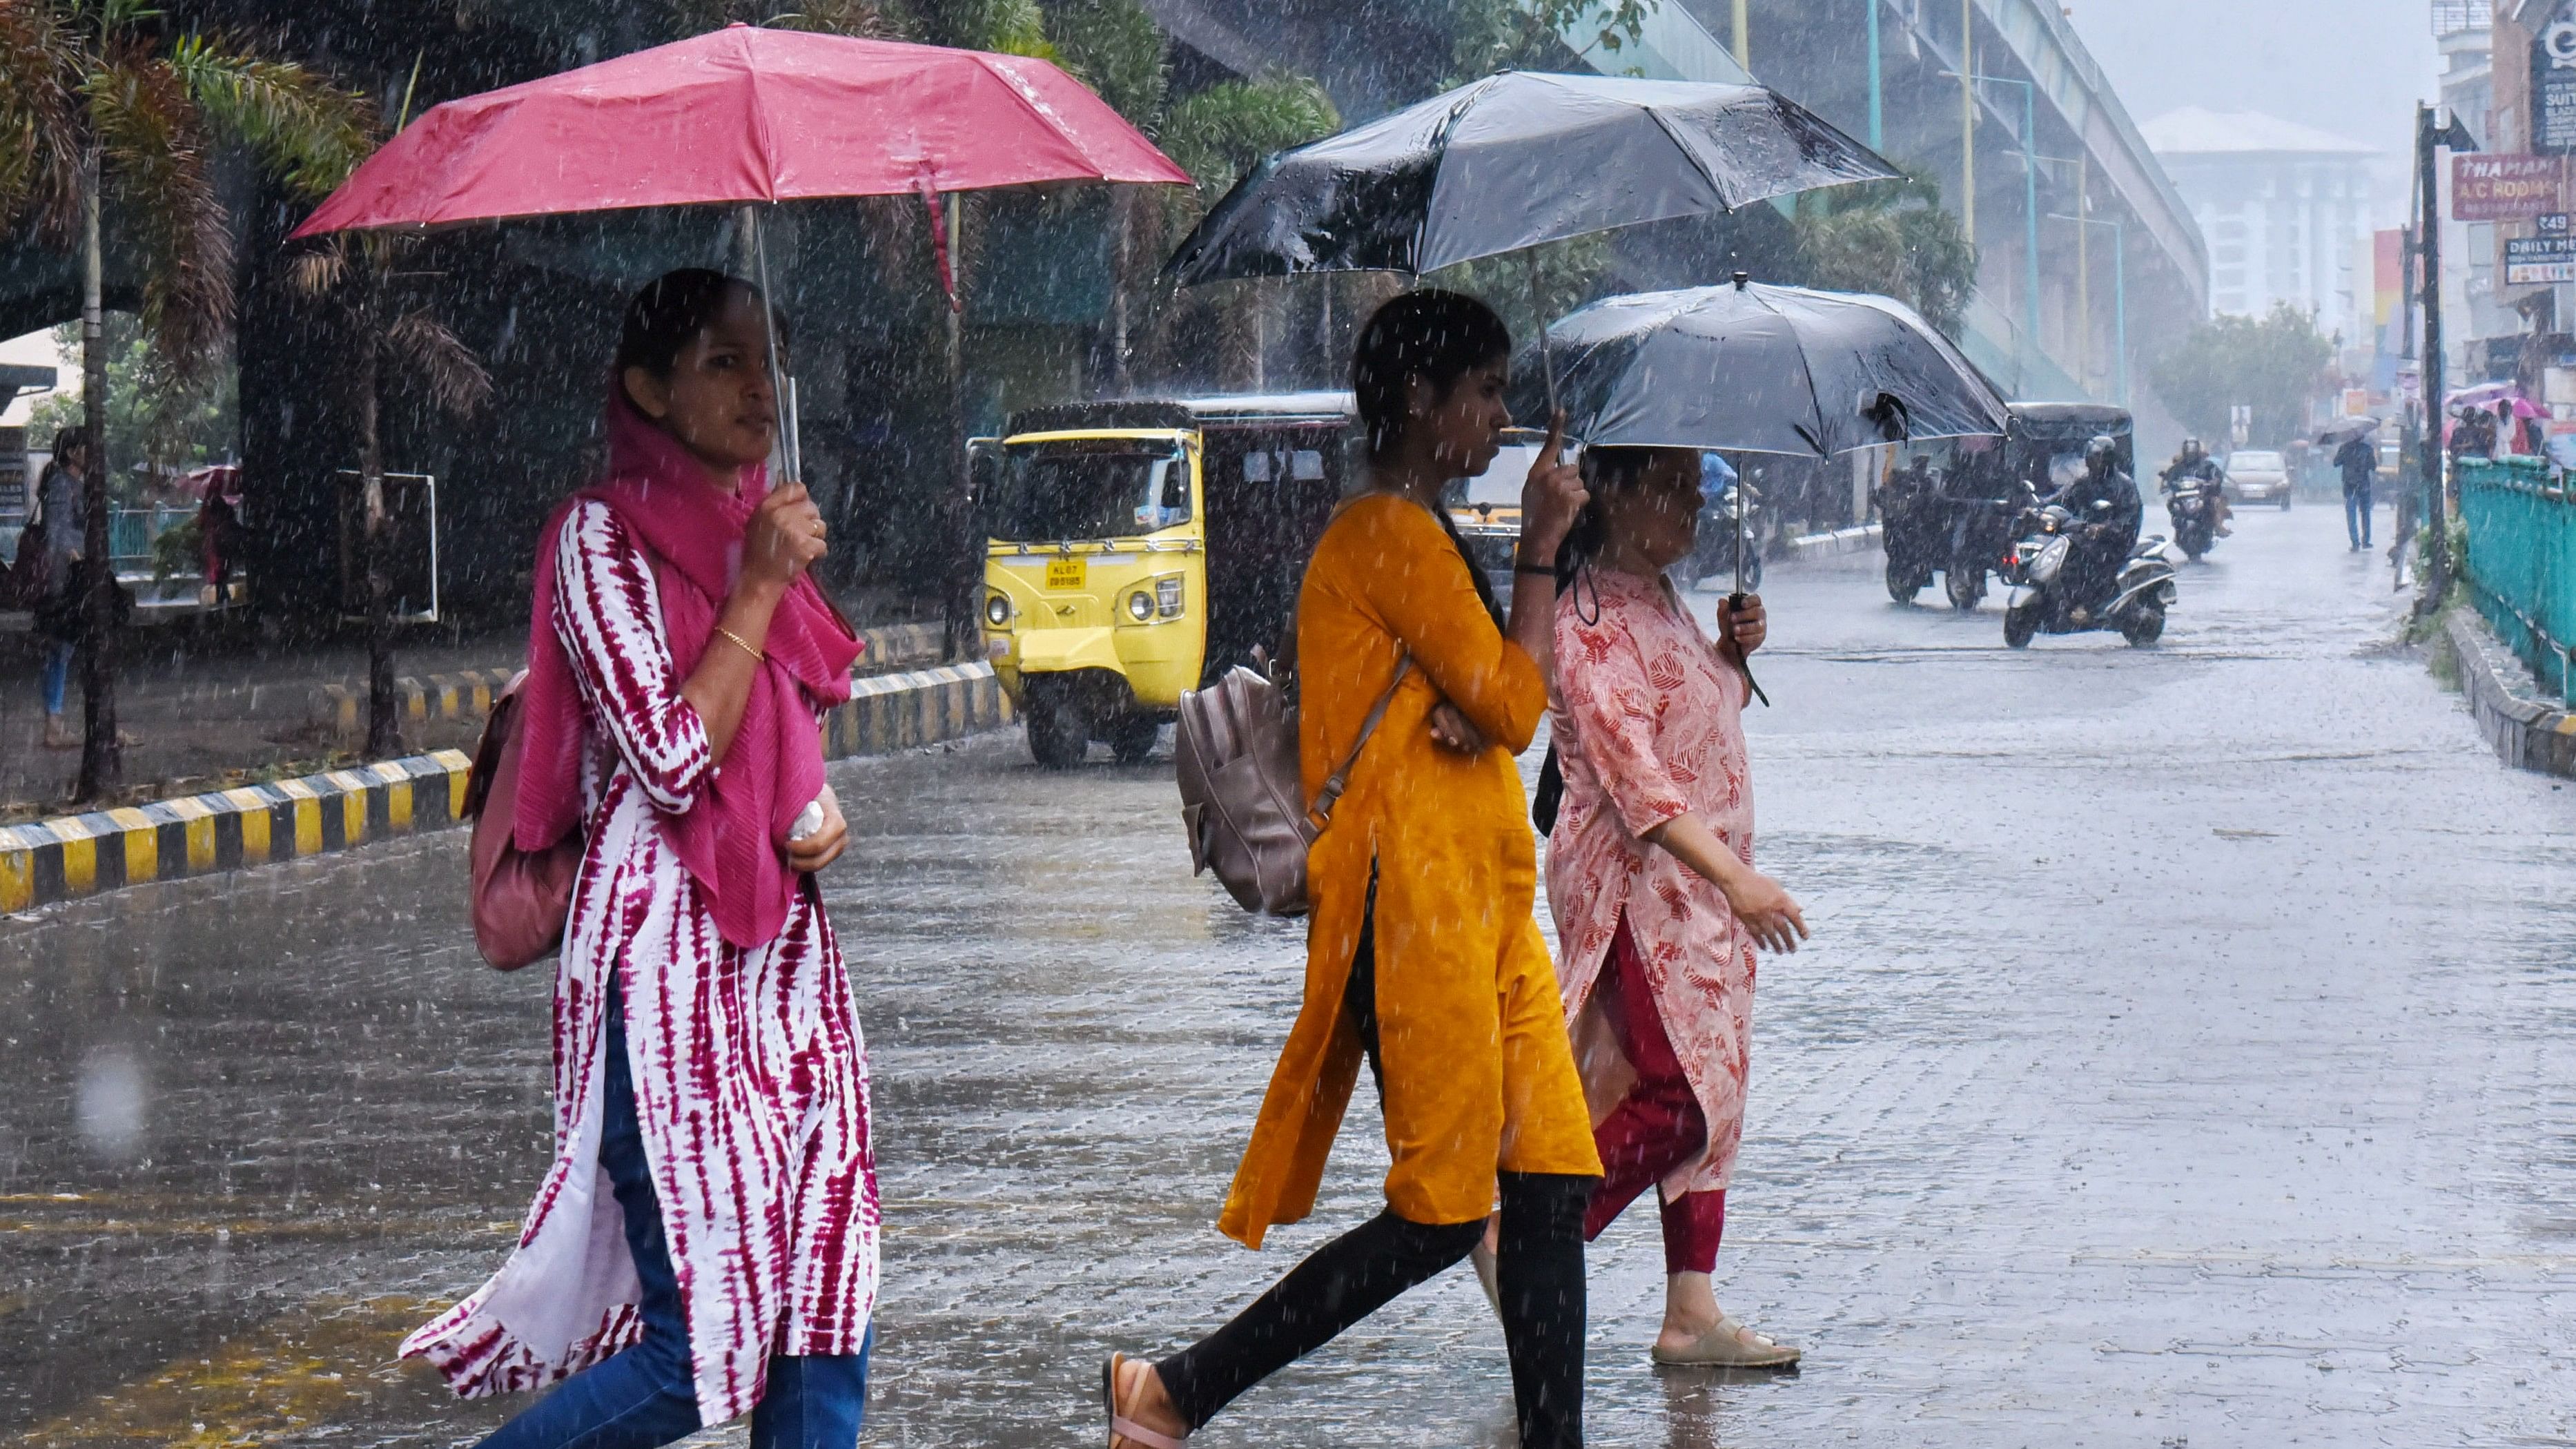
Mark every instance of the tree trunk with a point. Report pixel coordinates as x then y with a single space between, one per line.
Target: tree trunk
384 728
102 758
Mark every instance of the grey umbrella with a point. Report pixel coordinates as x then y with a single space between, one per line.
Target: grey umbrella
1759 369
1512 161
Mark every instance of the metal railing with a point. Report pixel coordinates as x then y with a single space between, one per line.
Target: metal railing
2450 17
2522 562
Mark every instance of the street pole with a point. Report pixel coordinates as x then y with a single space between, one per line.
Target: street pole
1968 121
2084 268
1744 33
2437 493
2030 204
2120 289
1877 97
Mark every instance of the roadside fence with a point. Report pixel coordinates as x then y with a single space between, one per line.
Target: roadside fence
2522 562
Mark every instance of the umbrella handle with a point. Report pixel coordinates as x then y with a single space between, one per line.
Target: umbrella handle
1736 600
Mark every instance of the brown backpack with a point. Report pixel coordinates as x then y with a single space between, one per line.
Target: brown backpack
1235 756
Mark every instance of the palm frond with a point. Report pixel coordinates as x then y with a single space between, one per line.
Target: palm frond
1117 49
866 19
152 142
41 59
1217 134
312 131
320 271
455 377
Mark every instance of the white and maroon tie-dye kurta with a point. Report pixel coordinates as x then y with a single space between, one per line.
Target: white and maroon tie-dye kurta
750 1076
1649 726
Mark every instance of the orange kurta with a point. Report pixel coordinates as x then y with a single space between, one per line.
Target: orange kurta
1479 1076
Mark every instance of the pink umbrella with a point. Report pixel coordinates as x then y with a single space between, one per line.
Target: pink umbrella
741 116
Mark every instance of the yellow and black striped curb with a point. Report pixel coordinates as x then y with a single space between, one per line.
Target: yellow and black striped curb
339 709
80 855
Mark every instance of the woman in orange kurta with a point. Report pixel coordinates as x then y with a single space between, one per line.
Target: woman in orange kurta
1423 955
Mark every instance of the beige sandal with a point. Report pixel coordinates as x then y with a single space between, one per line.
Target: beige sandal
1120 1426
1732 1344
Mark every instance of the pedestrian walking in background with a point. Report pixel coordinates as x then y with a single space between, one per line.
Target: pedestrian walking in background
1423 955
2359 461
1650 876
62 512
709 1071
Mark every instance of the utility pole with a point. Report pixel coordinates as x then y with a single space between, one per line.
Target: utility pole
1877 95
2429 137
1744 33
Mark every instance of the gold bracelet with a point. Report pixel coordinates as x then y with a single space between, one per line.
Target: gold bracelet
744 644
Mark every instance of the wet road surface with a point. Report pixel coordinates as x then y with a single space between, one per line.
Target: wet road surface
2183 1057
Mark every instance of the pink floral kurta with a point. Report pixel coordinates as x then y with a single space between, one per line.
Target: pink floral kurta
1648 726
750 1075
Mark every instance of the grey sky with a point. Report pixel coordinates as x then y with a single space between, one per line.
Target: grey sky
2352 67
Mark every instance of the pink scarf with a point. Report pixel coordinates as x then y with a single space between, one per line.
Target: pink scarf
733 839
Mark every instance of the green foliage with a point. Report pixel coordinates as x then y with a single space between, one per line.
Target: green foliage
2275 364
865 19
1223 131
1010 27
109 75
1568 275
1891 238
154 415
1491 35
1115 48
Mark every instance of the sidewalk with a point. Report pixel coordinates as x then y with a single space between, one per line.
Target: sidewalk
205 707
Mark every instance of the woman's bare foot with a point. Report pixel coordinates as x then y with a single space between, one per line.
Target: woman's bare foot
1143 1401
1690 1311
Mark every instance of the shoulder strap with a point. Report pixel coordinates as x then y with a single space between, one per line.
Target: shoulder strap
1341 778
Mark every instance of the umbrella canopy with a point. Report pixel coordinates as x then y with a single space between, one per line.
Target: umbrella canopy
744 114
1512 161
2342 428
1759 369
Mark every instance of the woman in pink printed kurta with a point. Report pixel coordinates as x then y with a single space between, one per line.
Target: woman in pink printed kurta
706 1240
1650 877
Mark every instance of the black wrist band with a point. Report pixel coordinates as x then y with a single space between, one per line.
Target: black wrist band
1545 571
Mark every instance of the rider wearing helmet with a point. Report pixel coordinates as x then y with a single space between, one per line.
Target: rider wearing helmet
2103 535
2193 465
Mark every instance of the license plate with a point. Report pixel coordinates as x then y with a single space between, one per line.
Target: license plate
1068 573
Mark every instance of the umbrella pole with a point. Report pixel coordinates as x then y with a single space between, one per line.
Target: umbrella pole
1546 354
782 387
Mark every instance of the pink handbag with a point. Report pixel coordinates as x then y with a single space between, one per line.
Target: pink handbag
521 898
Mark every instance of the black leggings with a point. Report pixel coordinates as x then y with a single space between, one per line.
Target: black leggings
1540 1268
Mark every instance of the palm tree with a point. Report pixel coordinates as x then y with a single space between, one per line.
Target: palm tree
103 105
357 273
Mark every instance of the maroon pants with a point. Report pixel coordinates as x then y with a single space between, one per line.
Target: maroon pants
1657 1127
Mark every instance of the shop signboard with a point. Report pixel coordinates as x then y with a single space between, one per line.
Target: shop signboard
2533 261
2505 188
2553 83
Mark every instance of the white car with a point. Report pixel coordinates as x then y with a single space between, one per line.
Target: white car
2258 477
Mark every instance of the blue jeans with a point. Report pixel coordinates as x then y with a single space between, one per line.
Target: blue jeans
646 1395
58 674
2356 516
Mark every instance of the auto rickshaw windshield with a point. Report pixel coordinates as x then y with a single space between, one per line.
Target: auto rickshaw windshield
1085 488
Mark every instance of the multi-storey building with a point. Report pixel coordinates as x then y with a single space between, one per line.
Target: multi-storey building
2283 207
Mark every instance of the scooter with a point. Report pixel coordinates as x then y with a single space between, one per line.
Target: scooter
1714 554
2140 595
2192 503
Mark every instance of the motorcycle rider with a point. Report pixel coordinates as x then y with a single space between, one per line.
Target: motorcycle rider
2102 538
2193 464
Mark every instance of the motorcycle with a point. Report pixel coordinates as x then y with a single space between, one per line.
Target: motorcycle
2139 596
2192 502
1910 511
1980 531
1712 556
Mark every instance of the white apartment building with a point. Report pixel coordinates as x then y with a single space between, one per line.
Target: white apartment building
2282 207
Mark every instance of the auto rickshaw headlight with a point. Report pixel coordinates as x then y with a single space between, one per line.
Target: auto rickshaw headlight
1141 604
997 611
1167 597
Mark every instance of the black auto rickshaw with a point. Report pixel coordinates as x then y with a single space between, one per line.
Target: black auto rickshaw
2043 448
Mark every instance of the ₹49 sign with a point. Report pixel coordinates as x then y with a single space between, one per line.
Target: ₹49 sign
2506 188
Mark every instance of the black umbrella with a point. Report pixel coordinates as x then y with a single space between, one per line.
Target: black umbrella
1758 369
1512 161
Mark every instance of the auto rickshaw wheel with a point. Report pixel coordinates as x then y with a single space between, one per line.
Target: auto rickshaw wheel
1132 737
1059 737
